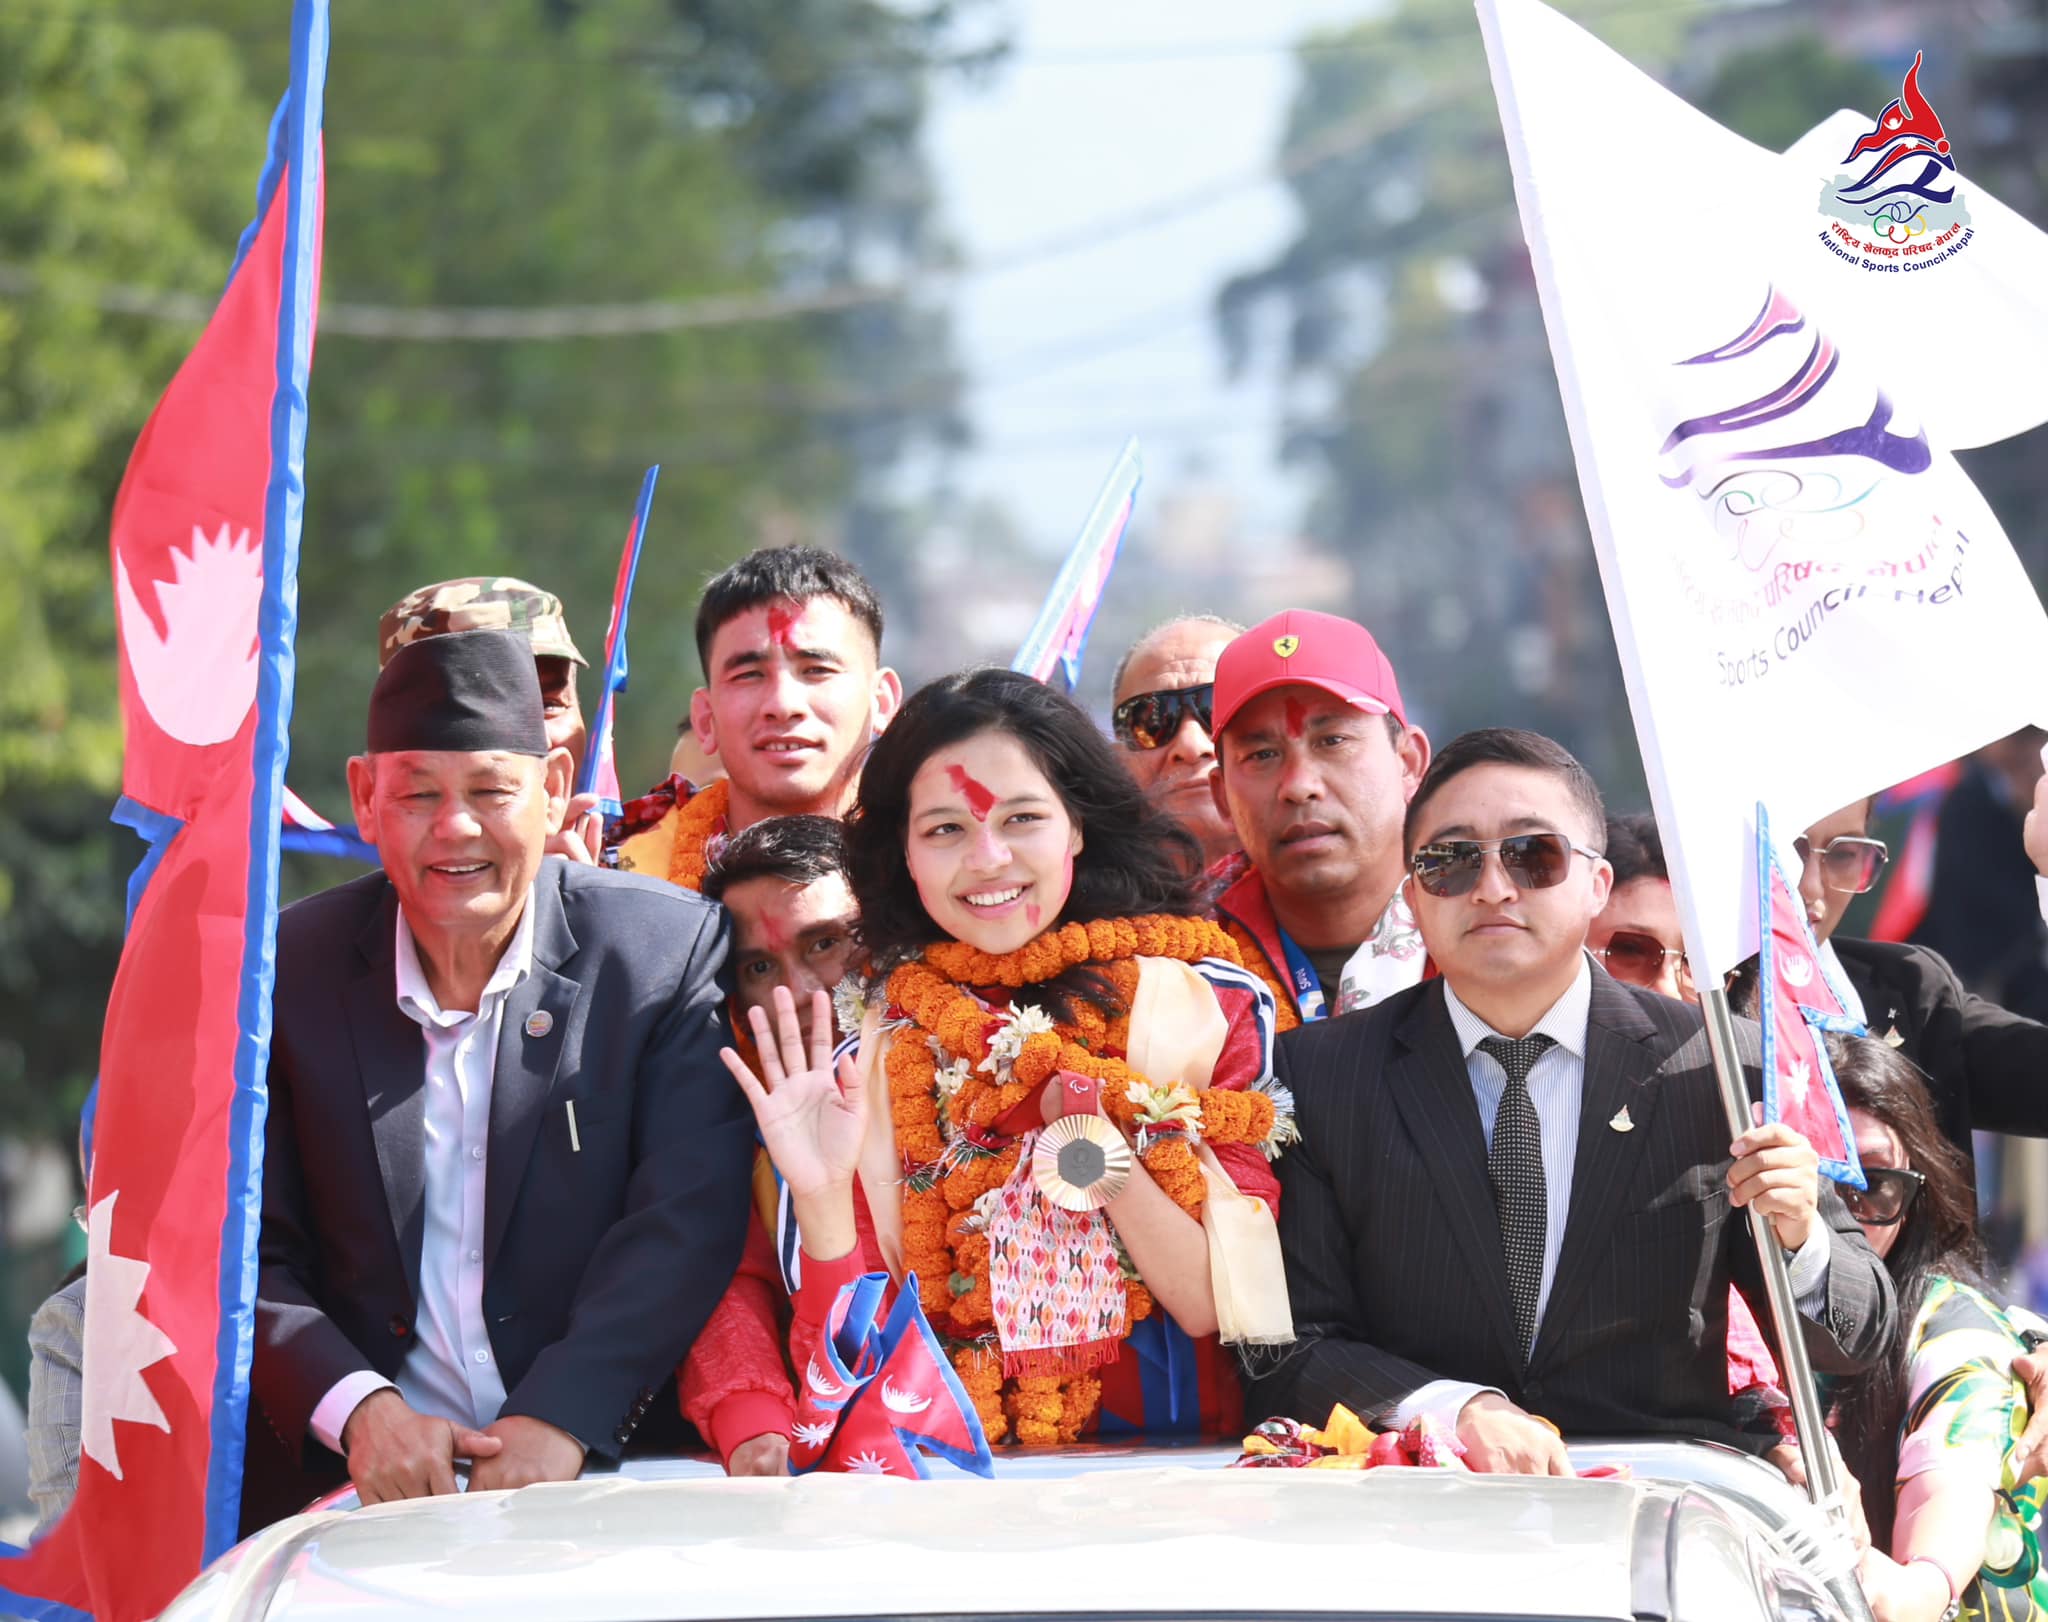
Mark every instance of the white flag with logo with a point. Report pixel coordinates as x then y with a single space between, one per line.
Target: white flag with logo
1810 600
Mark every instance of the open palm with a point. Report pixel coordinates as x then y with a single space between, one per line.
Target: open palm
811 1118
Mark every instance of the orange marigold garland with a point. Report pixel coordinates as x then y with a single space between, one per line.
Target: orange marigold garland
1103 940
980 1367
699 820
1035 1406
955 1069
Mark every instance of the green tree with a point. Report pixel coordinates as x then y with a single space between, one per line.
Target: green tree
126 155
1416 348
529 155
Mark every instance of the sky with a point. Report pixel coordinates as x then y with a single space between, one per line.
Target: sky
1138 136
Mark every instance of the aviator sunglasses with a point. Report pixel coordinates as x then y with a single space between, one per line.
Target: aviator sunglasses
1150 720
1630 955
1890 1195
1848 865
1451 867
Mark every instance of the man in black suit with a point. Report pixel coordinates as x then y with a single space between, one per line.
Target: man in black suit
506 1178
1986 1066
1513 1194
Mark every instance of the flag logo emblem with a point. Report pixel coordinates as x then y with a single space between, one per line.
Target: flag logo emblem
1286 646
1895 205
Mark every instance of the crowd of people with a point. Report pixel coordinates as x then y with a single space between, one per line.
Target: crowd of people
577 1130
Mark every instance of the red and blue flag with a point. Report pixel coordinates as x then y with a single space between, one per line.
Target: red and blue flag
878 1395
205 555
1059 636
600 772
1798 1000
306 831
1909 888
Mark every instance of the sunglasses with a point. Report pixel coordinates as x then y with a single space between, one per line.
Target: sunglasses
1150 720
1451 867
1848 864
1890 1195
1640 958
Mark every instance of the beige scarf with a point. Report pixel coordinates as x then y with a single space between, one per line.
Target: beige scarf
1177 1032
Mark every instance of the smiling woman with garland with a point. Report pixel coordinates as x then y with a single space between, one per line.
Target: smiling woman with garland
1039 953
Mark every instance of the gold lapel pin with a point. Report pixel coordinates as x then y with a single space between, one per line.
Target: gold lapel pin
1892 1039
1621 1122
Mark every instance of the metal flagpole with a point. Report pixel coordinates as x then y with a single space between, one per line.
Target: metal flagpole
1795 1368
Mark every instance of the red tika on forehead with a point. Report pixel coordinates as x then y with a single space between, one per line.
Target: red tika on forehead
782 623
979 800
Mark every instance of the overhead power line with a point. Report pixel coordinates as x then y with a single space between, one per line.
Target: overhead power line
567 55
340 318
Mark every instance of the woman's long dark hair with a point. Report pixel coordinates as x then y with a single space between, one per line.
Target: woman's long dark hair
1937 1239
1134 858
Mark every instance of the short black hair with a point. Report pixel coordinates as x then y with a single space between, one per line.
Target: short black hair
796 850
1506 746
1134 857
794 574
1635 849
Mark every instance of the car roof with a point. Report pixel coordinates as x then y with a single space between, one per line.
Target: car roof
1131 1536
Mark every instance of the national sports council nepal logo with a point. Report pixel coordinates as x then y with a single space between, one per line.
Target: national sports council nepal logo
1896 208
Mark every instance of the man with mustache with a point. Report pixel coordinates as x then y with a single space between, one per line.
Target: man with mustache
1315 765
503 1184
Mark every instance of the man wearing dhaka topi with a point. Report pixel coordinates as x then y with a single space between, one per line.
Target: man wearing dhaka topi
505 1180
794 691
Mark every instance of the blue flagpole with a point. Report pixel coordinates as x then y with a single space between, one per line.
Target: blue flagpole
283 515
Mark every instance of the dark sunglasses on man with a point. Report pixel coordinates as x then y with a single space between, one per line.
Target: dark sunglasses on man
1150 720
1889 1197
1849 865
1451 867
1639 958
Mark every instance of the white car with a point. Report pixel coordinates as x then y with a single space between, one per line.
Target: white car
1693 1532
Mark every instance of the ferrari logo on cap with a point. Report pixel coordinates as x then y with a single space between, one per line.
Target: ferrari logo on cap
1285 645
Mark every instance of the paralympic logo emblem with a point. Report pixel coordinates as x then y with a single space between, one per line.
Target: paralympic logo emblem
1896 207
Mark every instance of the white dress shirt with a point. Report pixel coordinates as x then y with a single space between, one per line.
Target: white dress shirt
450 1370
1557 1087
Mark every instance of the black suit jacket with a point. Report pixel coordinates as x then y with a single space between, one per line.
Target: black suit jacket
1393 1248
1986 1066
1983 917
603 1257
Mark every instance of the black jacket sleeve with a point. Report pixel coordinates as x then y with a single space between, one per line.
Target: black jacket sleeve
656 1275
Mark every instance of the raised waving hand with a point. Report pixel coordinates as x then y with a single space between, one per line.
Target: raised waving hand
812 1117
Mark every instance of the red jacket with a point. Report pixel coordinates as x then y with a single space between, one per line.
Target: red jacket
1244 904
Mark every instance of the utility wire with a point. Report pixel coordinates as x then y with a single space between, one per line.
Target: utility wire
556 323
1337 41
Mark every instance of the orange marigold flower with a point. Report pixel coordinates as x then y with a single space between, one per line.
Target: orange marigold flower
697 820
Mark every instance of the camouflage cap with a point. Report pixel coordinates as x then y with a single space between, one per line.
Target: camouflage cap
478 603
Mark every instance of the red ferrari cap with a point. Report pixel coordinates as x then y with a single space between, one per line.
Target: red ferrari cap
1313 650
